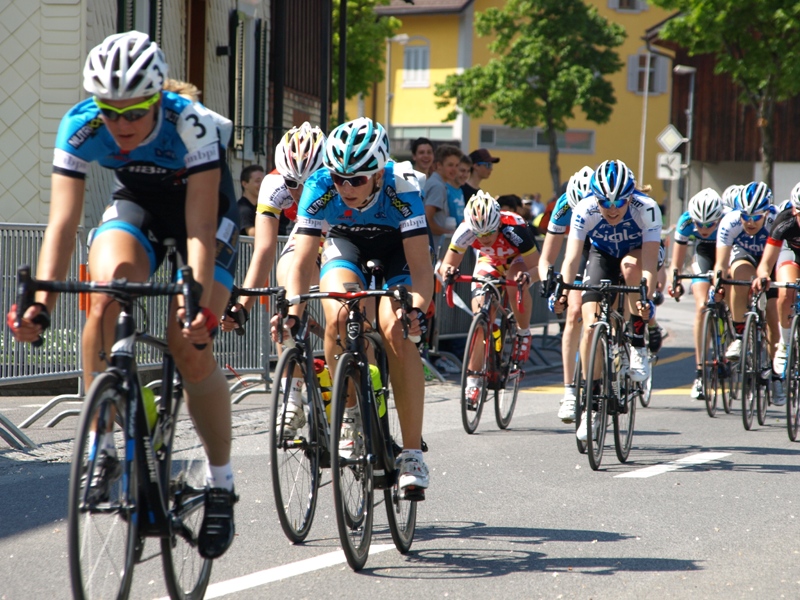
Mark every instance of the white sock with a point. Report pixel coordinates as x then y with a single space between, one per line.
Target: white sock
524 332
295 390
220 477
569 391
107 444
473 382
785 334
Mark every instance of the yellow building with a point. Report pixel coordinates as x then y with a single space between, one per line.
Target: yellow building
437 38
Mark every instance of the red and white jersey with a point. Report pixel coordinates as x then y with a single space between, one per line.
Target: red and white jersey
274 197
515 239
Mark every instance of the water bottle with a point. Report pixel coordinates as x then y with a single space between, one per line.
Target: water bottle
150 409
498 343
325 384
377 387
616 361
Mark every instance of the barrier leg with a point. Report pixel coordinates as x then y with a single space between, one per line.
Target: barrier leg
47 407
9 429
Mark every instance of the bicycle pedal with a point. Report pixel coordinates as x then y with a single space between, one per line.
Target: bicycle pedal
424 445
412 494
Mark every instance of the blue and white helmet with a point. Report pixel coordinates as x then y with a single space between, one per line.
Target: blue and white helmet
579 185
794 197
730 196
359 147
754 198
613 181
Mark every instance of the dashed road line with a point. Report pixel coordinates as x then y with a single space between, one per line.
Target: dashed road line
686 461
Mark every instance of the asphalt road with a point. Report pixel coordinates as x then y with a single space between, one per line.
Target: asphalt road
703 509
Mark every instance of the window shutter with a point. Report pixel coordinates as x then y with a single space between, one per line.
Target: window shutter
260 113
156 20
633 73
613 4
660 74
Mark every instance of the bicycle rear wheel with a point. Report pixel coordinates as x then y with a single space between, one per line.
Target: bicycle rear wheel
749 372
101 525
294 460
710 362
580 402
793 381
476 346
731 369
625 415
184 472
765 383
647 385
597 403
510 377
350 468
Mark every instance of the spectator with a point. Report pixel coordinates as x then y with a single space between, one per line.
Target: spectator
443 199
534 204
422 155
510 202
482 165
251 179
464 167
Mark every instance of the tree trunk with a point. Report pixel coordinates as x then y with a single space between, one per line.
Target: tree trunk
555 172
766 113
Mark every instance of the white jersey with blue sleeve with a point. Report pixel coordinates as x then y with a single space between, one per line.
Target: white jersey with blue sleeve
561 216
732 232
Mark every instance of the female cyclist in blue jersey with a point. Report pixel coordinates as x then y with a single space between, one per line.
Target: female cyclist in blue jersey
374 210
164 151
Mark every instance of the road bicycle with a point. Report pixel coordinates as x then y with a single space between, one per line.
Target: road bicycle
496 370
614 393
791 375
156 488
755 364
371 464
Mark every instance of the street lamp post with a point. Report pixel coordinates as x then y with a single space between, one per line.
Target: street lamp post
402 39
690 71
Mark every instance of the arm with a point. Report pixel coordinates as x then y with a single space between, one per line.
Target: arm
572 258
723 258
550 249
650 266
768 260
418 258
436 229
306 249
202 206
450 263
264 249
678 258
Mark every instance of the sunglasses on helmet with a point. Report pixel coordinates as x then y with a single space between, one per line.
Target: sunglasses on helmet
129 113
753 218
291 183
618 203
354 180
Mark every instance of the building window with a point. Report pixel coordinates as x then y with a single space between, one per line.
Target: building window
247 95
637 73
628 5
141 15
433 133
572 141
416 63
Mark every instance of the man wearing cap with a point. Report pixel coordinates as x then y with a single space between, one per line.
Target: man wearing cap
482 164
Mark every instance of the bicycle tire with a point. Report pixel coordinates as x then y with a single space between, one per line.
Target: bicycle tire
352 473
731 369
510 374
294 463
594 447
647 385
793 381
470 418
710 361
749 372
764 390
102 531
186 573
624 417
580 402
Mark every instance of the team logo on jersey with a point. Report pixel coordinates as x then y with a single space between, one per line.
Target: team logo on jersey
165 153
512 236
404 208
171 116
144 169
320 203
85 132
616 237
562 211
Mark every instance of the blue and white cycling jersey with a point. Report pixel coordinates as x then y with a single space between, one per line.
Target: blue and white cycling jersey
561 216
154 175
732 233
395 212
686 229
641 223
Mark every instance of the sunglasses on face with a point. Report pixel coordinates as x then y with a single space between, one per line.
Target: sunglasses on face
752 218
488 165
701 225
618 203
487 234
291 183
354 181
129 113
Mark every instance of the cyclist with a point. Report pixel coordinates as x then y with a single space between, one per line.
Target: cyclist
699 222
507 249
126 126
730 195
783 250
374 209
297 156
578 186
624 227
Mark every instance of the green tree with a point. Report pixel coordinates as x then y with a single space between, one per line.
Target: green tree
366 45
756 43
551 56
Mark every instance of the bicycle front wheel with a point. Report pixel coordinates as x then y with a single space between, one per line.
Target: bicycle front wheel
510 378
184 468
401 513
793 381
765 387
101 525
580 402
749 372
351 468
598 391
294 457
647 385
625 415
710 362
477 349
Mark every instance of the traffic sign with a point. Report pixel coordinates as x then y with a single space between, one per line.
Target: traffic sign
669 166
670 138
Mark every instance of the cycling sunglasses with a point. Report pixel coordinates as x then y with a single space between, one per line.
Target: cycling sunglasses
488 165
753 218
291 183
129 113
354 181
618 203
709 225
487 234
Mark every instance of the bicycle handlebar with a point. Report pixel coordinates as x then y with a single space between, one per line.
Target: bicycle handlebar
605 287
456 277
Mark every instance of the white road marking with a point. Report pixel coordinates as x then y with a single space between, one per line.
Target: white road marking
246 582
686 461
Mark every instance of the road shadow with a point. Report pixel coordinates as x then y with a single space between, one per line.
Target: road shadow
34 495
477 562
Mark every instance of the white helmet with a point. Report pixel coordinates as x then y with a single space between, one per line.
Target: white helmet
300 152
125 65
794 197
579 185
482 213
730 194
705 206
359 147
